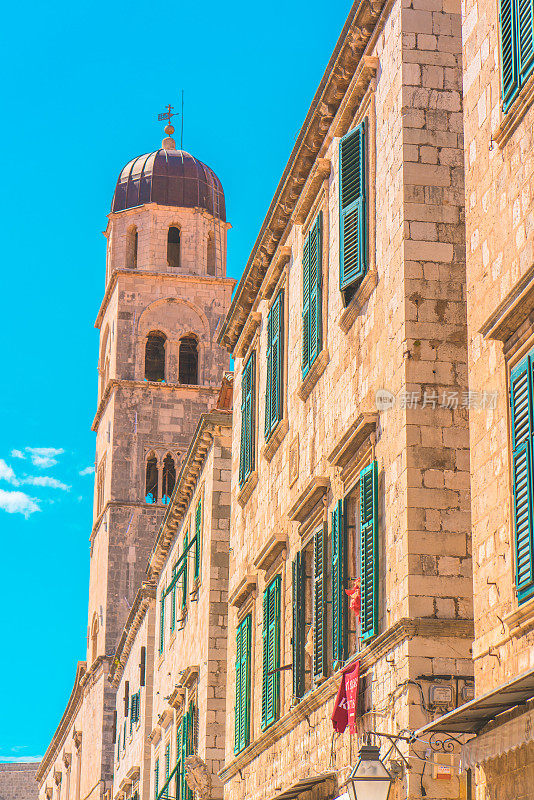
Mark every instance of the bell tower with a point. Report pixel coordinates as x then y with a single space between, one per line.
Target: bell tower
159 365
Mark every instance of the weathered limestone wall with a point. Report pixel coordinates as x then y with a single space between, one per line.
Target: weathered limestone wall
17 781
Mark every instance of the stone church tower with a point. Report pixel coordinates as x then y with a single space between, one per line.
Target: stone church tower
159 365
160 368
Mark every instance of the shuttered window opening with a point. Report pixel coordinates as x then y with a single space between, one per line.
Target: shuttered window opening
198 542
162 622
516 19
184 576
275 342
156 779
270 696
369 551
339 585
353 208
242 685
522 402
184 748
173 601
319 605
311 295
298 639
247 454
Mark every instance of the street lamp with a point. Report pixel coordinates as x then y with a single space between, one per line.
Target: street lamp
369 780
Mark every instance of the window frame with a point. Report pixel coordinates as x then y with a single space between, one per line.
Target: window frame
247 463
511 50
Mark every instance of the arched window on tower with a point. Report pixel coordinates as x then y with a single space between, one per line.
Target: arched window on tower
173 247
132 238
151 480
211 255
155 356
188 364
169 478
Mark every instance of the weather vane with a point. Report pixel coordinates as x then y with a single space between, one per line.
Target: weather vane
167 115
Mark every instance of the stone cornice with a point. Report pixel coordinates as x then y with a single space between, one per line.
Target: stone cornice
122 383
144 599
345 63
81 680
173 277
207 428
512 311
379 647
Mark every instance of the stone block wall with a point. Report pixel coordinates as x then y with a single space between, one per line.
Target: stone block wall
17 781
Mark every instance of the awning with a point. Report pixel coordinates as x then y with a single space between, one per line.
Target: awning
303 785
473 716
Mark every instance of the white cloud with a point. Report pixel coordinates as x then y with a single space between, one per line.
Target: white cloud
87 471
6 473
21 759
43 457
52 483
17 503
17 454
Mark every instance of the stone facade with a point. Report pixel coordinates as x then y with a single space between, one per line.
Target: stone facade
17 781
499 174
144 423
398 67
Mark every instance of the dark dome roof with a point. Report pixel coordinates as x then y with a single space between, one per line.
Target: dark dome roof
170 178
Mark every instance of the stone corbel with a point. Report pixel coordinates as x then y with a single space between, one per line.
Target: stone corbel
243 590
247 335
189 676
278 262
269 553
365 72
176 697
77 738
319 173
48 792
67 759
57 777
308 498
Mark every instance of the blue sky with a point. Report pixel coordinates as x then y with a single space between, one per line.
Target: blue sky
83 84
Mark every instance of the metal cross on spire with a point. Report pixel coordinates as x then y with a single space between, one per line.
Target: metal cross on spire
167 114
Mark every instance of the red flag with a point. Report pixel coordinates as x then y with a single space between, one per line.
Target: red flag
339 714
352 687
346 705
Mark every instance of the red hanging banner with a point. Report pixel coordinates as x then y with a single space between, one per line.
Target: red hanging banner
346 705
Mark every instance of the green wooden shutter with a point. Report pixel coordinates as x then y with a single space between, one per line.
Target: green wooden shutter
246 455
352 205
319 605
525 26
186 749
339 584
271 653
156 778
299 626
242 685
167 766
173 602
198 534
521 394
369 550
184 573
273 392
162 621
306 306
509 54
316 239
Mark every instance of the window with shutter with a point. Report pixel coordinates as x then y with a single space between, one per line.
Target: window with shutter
271 653
247 454
311 296
162 621
298 639
184 575
522 402
369 551
319 605
173 602
198 535
516 19
273 393
339 584
352 207
242 685
156 778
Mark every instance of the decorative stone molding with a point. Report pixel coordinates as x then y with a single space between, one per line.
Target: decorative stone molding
351 441
189 676
67 760
280 259
176 697
155 735
308 498
133 774
275 439
515 114
165 718
48 792
356 305
521 620
319 173
244 588
516 308
58 775
247 488
77 737
247 335
315 372
271 550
